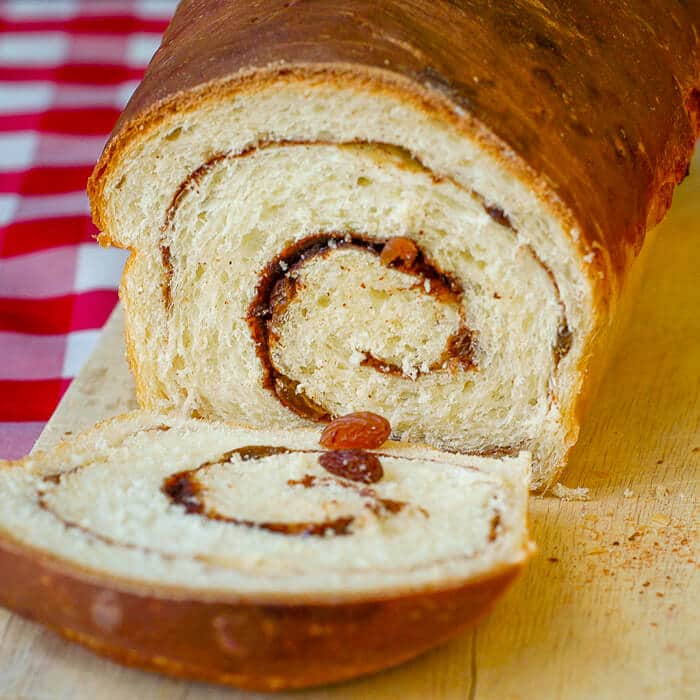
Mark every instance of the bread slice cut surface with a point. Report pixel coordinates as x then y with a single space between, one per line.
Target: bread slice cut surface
181 504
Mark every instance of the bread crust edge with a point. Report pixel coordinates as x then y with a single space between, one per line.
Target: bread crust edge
246 643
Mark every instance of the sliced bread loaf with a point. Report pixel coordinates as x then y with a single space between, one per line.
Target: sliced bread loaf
425 209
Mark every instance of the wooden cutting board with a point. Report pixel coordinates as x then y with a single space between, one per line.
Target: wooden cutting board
609 608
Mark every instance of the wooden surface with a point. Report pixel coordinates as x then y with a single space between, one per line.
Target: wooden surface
610 608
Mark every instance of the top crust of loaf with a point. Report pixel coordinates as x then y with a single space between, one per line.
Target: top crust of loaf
593 104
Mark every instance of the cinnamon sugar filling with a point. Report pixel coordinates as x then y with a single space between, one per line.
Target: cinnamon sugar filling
278 287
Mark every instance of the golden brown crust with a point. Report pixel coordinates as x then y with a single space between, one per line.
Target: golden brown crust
598 100
245 643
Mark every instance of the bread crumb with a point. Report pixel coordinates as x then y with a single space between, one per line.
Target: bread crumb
628 493
660 519
566 493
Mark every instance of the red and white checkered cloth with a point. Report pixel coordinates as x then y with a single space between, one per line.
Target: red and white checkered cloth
67 68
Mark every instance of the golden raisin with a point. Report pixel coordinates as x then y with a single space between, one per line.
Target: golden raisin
363 430
399 251
356 465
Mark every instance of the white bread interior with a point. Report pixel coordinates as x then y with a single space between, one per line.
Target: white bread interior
96 504
308 174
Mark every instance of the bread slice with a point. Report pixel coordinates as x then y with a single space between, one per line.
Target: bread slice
214 551
426 210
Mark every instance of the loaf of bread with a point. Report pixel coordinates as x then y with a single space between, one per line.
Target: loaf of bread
424 208
256 558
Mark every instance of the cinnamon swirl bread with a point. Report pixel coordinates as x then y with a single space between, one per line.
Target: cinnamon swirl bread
428 209
256 558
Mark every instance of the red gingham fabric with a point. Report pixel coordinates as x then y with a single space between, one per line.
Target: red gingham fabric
67 68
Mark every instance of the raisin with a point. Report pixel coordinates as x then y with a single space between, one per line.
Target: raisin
399 251
356 465
363 430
